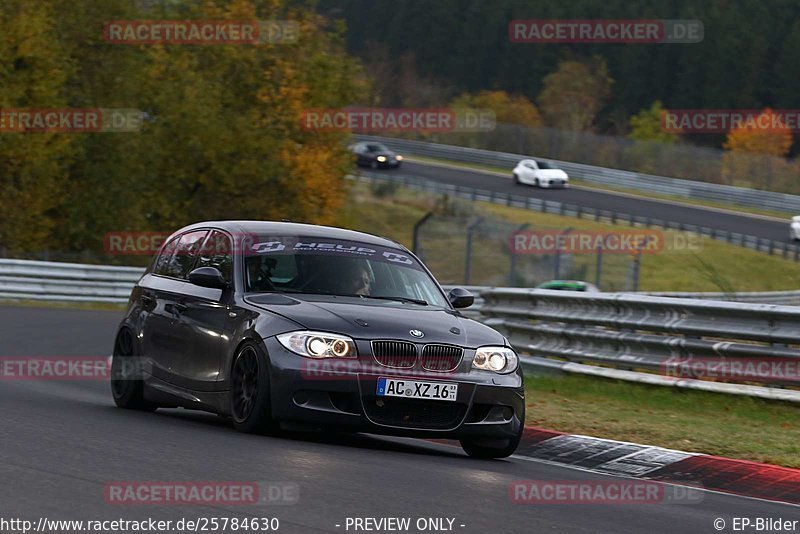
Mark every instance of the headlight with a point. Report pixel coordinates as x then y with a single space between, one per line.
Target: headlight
398 157
381 158
498 359
318 344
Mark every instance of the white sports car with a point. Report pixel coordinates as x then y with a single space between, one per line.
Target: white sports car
794 229
540 174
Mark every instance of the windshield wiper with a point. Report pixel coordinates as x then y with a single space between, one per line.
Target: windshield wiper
398 299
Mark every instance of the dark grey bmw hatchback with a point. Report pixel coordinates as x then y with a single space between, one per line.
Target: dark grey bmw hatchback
283 324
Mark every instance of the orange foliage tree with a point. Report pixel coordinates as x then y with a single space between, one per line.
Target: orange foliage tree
756 151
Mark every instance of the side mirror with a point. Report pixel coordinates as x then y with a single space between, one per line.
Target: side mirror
460 298
208 277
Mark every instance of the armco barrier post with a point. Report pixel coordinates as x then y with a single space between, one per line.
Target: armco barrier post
417 228
512 270
468 255
637 260
558 256
598 273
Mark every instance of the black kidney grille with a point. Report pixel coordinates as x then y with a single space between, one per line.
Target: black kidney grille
397 354
441 358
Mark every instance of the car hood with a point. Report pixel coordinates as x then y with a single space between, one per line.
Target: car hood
376 319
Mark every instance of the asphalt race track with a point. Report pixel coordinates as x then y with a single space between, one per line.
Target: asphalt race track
64 441
589 198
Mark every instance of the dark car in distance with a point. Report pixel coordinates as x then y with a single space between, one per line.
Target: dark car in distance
376 156
283 324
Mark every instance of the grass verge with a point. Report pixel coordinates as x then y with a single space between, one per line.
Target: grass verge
695 421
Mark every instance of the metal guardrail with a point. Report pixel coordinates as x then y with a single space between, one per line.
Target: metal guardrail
785 298
74 282
610 335
783 249
611 177
658 335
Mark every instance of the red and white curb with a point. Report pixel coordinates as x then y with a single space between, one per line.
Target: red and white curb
621 458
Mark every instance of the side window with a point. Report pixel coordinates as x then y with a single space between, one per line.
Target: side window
166 254
217 252
183 253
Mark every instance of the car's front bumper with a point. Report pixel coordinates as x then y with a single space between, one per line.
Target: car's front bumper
555 183
389 164
342 394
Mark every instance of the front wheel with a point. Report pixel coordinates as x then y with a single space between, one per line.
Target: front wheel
251 409
516 179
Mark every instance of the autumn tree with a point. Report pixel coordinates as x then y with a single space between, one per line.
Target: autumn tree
33 166
756 150
508 109
575 93
222 136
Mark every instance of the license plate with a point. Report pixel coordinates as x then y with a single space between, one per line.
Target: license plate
416 389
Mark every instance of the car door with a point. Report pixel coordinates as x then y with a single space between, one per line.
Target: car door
156 320
163 340
360 153
524 171
531 168
207 319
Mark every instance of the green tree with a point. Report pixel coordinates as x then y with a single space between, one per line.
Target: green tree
647 125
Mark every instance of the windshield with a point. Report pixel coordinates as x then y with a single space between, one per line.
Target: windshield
377 148
338 267
545 165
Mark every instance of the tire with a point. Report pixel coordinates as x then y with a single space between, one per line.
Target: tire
516 179
536 183
128 394
251 409
488 450
373 164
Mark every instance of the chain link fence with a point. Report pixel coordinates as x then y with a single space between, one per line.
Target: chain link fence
465 249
